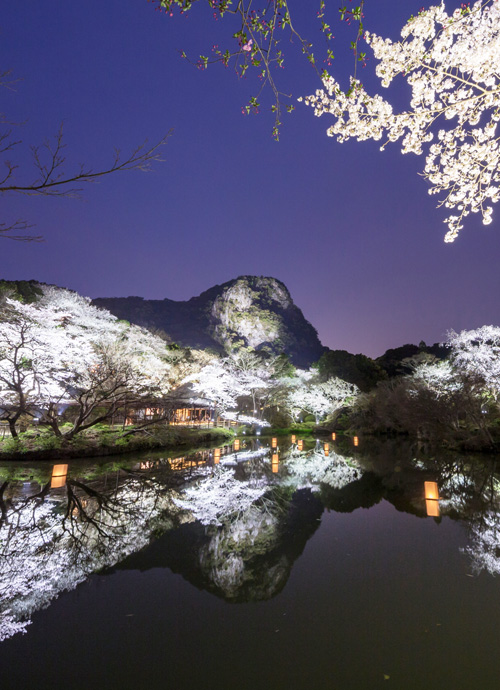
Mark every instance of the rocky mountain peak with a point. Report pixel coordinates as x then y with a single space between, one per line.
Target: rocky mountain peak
252 311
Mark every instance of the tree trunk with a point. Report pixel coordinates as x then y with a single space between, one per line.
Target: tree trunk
12 427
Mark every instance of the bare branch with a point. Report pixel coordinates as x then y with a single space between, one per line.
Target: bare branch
15 227
52 181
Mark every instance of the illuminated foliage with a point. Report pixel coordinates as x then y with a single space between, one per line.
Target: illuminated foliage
62 351
451 63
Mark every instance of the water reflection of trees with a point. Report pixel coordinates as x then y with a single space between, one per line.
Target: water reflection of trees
257 517
52 539
469 490
232 522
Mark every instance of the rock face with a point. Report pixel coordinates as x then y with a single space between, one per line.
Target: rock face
249 311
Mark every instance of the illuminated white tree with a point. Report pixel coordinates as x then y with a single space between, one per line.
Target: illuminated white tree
320 399
26 363
216 383
253 374
476 355
440 377
452 64
61 350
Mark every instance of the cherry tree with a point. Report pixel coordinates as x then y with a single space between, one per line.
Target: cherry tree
62 351
216 383
242 374
256 42
451 62
438 376
320 399
253 374
25 364
476 355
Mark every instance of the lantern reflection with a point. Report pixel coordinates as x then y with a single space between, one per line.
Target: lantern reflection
300 445
355 440
432 507
334 436
293 438
274 443
59 475
237 444
275 462
431 498
326 448
216 456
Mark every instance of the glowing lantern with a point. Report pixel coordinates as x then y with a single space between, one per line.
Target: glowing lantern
326 447
293 438
334 436
274 443
237 444
300 445
355 440
59 475
217 456
275 463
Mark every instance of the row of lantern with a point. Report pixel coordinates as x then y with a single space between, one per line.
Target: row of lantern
60 474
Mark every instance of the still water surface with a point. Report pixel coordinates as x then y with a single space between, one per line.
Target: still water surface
306 570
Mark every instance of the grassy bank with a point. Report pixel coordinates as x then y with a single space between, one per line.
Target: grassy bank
304 429
102 440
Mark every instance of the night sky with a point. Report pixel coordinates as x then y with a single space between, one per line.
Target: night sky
351 231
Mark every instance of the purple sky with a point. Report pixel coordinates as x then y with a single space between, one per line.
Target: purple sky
351 231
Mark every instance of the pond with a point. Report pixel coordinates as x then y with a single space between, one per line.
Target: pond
251 568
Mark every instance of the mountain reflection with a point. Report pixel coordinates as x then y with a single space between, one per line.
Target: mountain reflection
248 557
230 521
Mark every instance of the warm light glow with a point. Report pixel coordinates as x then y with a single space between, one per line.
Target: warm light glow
334 436
431 491
293 438
326 447
432 508
300 445
275 462
59 475
274 443
237 444
217 456
431 498
355 440
177 463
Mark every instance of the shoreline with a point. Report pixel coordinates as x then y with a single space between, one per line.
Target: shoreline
178 438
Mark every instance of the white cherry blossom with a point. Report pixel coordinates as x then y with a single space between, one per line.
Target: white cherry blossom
452 64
